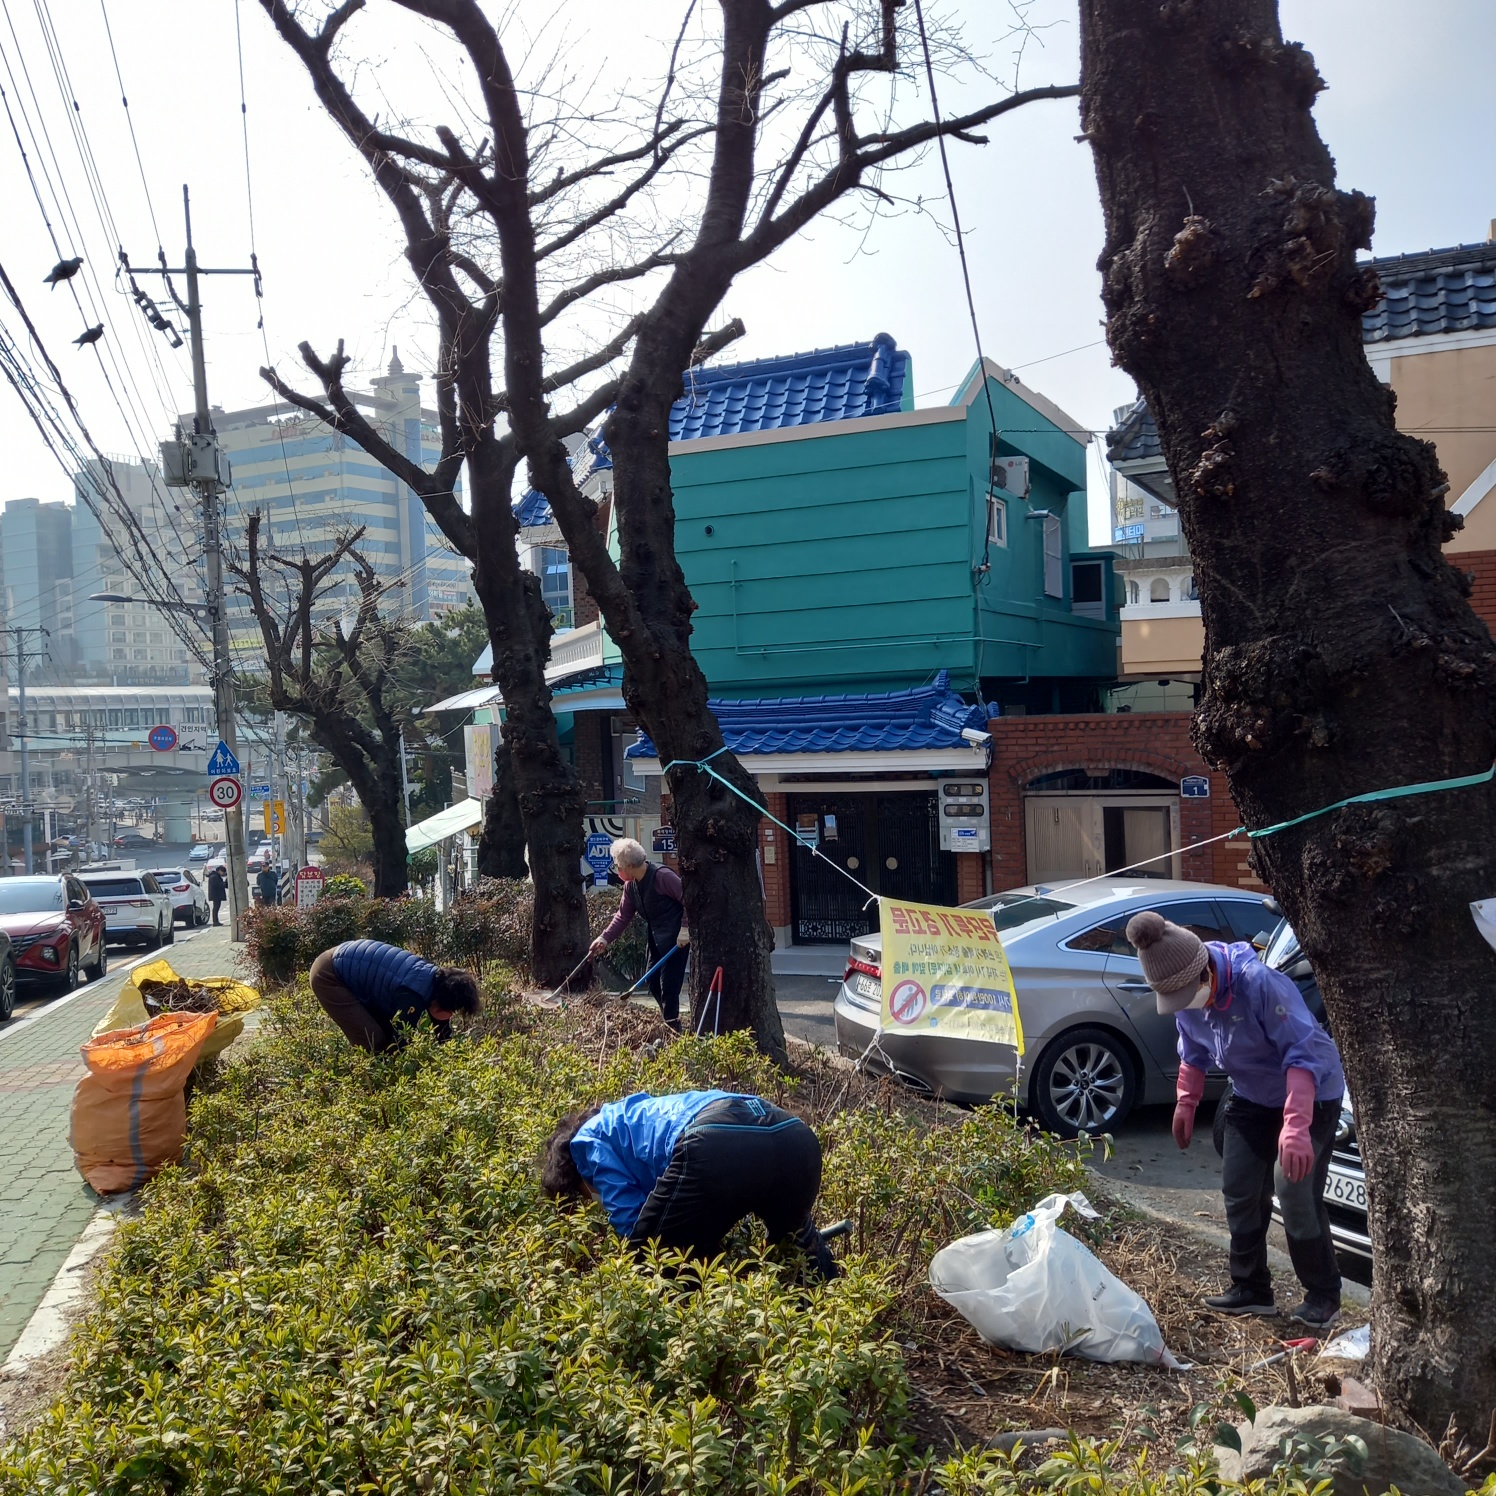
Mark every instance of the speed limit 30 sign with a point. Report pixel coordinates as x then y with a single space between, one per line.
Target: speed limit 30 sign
225 793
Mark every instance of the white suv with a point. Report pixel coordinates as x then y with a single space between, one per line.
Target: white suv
189 903
136 910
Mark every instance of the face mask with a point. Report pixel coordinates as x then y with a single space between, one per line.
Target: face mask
1202 994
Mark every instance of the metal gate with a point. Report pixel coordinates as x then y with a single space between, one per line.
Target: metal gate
889 842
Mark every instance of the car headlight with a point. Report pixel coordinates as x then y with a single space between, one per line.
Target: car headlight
51 953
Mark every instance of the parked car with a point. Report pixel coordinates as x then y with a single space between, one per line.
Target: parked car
7 979
201 852
133 840
1095 1043
136 910
54 930
189 901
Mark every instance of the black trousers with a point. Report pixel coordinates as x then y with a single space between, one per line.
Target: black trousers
739 1157
217 905
1249 1178
664 985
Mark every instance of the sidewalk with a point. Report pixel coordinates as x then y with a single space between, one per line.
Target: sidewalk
44 1203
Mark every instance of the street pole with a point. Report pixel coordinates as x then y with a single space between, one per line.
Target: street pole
404 782
18 632
208 487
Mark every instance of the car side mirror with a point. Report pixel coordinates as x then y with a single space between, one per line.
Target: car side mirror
77 903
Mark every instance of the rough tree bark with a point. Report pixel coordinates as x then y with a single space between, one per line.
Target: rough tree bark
1341 655
337 684
501 845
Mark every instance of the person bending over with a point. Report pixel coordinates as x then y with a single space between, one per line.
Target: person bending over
684 1169
372 990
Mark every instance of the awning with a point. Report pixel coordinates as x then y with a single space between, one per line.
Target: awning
465 701
443 824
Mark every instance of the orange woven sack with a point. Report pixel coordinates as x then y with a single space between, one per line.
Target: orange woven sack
129 1115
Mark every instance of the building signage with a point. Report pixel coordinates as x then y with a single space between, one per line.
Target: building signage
478 743
309 885
600 857
663 839
1195 787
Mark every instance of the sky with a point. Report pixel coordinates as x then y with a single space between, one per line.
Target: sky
1409 115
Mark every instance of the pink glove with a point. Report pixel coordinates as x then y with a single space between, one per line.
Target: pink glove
1190 1089
1295 1151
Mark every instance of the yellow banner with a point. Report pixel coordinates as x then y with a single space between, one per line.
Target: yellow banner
944 971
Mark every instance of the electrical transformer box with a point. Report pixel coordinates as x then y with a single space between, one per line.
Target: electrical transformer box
965 815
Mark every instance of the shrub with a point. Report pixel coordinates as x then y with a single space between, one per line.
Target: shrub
345 886
354 1283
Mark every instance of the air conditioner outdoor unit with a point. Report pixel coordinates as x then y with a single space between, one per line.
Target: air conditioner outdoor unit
1011 475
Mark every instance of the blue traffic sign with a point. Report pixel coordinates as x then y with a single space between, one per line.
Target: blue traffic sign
163 739
222 764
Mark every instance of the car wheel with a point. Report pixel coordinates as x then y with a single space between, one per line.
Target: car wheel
1085 1081
100 967
70 976
1218 1126
171 931
153 941
7 988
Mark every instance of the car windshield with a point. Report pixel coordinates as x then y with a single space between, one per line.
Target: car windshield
113 888
29 895
1281 946
166 874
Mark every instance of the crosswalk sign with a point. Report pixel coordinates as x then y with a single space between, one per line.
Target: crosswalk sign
222 764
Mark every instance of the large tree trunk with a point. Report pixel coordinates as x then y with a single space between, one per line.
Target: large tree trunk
377 785
551 802
716 831
1341 655
501 846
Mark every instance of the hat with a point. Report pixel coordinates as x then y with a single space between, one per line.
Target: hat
1174 960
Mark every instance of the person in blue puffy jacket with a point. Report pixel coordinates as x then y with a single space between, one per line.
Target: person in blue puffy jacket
684 1169
372 990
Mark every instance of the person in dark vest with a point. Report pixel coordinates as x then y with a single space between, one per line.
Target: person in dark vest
218 890
655 895
372 991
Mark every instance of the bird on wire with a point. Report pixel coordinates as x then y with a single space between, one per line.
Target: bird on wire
91 336
63 270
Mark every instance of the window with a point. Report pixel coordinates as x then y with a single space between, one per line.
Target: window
115 718
1187 590
1134 593
1158 591
997 520
118 638
1110 938
553 567
1086 589
1249 920
1054 578
132 719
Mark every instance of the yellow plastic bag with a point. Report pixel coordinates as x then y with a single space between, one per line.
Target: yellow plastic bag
129 1116
233 998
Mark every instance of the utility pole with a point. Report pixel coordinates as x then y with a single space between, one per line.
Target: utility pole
197 461
18 632
404 782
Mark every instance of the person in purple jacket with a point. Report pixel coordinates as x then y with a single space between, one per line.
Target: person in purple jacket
684 1169
654 893
1235 1014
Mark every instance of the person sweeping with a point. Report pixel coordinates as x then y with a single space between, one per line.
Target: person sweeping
653 893
374 991
684 1169
1239 1015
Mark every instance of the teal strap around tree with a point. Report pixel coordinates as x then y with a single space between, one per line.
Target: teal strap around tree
1429 787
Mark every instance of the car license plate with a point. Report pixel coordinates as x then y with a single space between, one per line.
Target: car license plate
869 986
1343 1190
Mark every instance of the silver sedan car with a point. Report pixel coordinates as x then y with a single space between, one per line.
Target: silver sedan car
1095 1044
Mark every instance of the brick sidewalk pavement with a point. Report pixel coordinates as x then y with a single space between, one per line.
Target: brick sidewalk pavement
44 1203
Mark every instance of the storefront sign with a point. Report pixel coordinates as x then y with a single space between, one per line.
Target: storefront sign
478 743
309 884
600 857
944 970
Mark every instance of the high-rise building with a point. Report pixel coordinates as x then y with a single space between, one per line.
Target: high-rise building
314 485
36 539
133 643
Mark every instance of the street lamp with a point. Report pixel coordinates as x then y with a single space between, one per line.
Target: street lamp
223 709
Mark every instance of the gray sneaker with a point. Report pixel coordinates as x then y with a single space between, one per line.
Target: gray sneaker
1318 1314
1239 1300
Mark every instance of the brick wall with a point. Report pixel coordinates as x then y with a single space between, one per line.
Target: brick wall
774 856
1481 565
1155 742
969 877
587 746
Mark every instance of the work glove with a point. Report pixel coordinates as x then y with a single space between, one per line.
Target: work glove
1190 1089
1295 1150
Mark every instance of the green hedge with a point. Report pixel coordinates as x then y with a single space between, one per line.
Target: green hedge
282 941
353 1284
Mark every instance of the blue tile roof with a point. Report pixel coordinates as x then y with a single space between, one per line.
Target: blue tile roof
1441 290
923 717
765 394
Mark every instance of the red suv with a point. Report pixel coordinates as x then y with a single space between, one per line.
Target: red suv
56 929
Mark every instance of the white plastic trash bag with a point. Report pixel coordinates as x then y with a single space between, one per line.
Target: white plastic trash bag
1036 1288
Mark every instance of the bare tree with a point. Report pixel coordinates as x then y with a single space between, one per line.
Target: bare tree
333 665
756 130
1341 655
